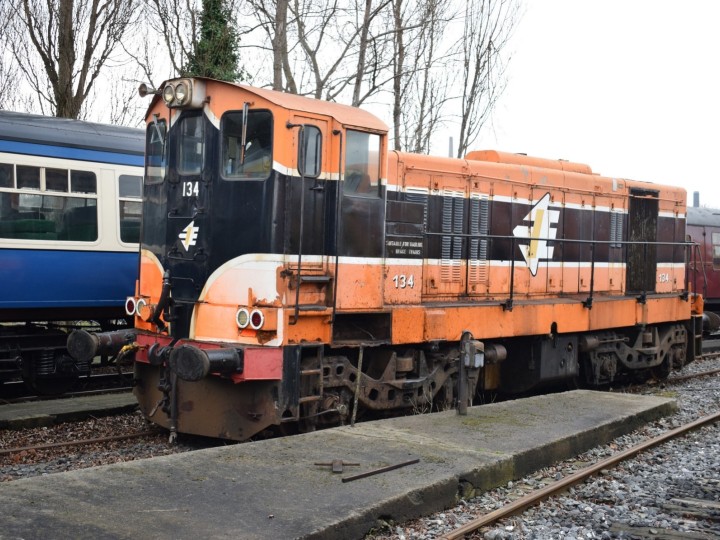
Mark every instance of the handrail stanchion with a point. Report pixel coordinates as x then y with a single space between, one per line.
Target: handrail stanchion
508 305
589 302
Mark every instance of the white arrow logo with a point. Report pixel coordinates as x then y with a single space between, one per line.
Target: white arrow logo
189 235
541 228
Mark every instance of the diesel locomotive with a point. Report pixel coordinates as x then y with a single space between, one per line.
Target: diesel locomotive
70 196
296 273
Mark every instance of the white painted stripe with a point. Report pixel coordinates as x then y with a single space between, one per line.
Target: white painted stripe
679 215
269 261
404 262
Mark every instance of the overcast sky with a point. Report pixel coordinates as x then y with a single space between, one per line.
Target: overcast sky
630 87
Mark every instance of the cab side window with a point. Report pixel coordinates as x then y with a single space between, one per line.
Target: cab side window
191 145
362 164
254 161
155 152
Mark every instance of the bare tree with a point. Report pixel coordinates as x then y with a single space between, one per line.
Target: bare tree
10 93
9 88
357 37
427 83
280 49
61 46
327 49
488 24
176 23
272 19
398 87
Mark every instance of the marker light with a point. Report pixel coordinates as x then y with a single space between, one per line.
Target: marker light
242 318
256 319
139 305
130 306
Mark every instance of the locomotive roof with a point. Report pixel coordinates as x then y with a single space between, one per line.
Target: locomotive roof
345 114
50 130
703 216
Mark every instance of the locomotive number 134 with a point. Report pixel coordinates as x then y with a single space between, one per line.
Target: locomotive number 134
402 281
190 189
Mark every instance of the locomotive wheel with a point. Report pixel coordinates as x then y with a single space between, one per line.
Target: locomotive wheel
662 371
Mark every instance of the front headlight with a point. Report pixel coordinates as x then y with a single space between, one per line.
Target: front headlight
168 94
184 93
181 93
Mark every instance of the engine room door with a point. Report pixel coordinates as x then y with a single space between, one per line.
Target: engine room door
641 257
362 220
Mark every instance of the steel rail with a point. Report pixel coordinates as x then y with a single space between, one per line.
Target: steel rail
682 378
69 395
551 489
80 442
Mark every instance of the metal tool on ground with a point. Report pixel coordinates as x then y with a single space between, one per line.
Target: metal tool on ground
337 465
380 470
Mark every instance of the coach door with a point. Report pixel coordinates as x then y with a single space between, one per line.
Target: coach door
642 234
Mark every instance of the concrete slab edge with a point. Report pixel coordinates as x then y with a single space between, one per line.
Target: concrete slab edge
447 492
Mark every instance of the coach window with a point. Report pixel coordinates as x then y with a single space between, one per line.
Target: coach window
28 177
7 175
130 191
255 162
362 164
191 145
155 152
56 180
716 250
83 182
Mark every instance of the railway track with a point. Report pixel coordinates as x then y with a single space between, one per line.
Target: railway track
81 393
18 392
78 442
685 506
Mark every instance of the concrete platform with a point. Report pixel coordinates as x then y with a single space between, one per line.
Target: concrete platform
272 489
51 411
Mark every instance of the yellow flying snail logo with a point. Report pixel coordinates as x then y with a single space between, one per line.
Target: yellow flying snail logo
538 232
189 235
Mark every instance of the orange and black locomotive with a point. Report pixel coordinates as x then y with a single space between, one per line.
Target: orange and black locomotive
295 272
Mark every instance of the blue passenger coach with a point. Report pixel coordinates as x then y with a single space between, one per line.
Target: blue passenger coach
70 207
